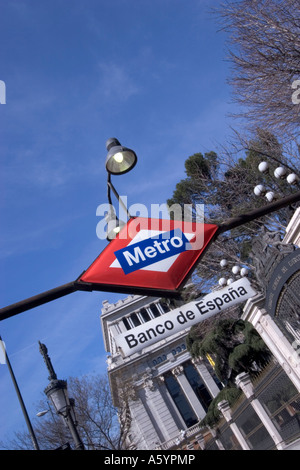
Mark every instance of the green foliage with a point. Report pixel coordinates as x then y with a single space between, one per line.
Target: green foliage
183 193
198 187
197 165
234 345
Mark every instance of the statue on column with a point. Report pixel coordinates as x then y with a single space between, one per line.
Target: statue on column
44 353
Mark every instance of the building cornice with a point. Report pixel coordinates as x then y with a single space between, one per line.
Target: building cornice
109 308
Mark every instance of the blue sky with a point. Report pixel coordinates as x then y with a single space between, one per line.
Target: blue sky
151 73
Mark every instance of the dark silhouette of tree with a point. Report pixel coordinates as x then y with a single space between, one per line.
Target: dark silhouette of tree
264 49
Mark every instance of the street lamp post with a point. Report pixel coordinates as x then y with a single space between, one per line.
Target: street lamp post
57 392
119 160
22 404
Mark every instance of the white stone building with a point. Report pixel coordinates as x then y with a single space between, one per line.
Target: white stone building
169 392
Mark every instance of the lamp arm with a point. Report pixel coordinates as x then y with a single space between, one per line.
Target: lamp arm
108 189
111 186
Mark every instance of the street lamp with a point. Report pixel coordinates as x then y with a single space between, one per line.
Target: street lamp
57 392
270 196
119 159
292 179
263 167
236 270
259 190
279 173
244 272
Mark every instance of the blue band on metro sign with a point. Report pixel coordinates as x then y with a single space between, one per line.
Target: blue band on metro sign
152 250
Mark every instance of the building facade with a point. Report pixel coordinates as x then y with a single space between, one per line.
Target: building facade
168 392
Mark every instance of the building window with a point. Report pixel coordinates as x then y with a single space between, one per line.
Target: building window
145 315
165 307
178 349
135 319
197 385
159 359
180 400
126 324
154 310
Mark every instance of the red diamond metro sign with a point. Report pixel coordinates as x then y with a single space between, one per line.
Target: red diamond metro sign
150 257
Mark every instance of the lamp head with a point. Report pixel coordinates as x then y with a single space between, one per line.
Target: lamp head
119 159
263 167
259 190
57 392
280 172
292 179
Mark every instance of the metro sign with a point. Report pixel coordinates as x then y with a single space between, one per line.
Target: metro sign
150 256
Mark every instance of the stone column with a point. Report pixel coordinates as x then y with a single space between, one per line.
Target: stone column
141 426
157 407
243 381
278 344
200 439
206 377
189 392
226 412
179 422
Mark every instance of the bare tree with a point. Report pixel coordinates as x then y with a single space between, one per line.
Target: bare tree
264 48
100 424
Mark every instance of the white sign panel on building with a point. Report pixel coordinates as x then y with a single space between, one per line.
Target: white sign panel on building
144 335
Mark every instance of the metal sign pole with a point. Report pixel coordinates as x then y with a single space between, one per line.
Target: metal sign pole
28 423
74 286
